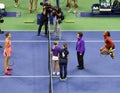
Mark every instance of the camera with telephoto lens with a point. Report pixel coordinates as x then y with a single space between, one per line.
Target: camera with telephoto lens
55 13
48 6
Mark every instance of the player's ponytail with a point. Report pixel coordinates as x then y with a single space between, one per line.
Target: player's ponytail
65 45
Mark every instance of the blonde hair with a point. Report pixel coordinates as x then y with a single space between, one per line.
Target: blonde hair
56 43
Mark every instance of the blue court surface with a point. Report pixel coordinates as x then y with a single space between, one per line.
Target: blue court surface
30 70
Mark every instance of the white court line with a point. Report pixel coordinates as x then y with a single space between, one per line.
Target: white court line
102 30
42 76
69 76
72 41
92 76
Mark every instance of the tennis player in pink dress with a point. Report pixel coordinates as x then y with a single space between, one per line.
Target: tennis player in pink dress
7 53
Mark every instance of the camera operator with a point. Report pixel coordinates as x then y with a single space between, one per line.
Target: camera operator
58 17
44 17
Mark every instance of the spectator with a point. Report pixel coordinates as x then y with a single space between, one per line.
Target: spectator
16 3
70 5
57 3
31 5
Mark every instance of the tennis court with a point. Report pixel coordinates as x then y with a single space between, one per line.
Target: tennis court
30 70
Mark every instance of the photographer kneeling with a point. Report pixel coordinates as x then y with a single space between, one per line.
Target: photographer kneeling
44 17
58 17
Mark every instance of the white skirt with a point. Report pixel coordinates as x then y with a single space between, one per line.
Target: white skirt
54 58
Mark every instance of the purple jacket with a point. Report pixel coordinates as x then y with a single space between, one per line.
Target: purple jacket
80 45
56 51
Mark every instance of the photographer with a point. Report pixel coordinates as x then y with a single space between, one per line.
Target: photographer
31 2
44 17
16 3
58 17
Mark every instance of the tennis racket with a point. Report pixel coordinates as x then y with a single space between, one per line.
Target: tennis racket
11 62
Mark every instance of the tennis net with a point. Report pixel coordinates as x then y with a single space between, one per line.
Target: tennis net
49 60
